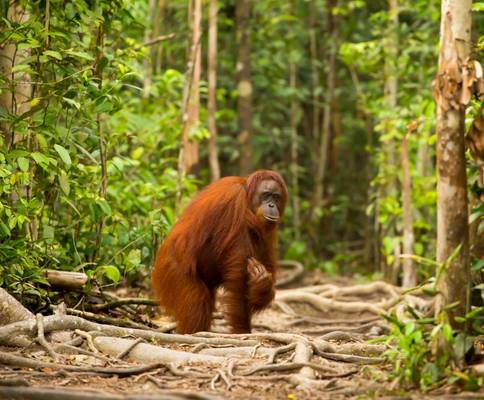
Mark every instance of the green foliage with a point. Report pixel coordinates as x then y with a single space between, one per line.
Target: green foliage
85 122
426 354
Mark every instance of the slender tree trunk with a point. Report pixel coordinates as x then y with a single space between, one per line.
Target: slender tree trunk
452 215
324 144
244 85
212 91
313 51
103 184
294 152
188 156
409 273
192 110
391 272
157 51
148 63
16 100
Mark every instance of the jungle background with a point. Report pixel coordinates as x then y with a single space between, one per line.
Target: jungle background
114 113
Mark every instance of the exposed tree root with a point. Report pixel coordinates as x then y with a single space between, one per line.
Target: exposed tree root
323 298
39 393
148 353
11 310
314 354
17 361
297 271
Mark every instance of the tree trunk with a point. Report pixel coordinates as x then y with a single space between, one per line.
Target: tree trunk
212 91
294 152
313 51
452 219
11 310
148 63
157 51
409 273
244 85
192 110
16 100
324 144
391 272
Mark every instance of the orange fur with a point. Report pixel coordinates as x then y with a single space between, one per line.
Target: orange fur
209 247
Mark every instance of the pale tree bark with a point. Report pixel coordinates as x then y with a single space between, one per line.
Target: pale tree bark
15 95
244 85
17 91
325 138
192 110
188 157
409 272
11 310
452 214
296 219
212 91
391 272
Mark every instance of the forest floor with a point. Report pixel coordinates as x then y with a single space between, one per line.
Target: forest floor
312 343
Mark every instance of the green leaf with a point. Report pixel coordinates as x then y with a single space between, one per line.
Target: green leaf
409 328
103 204
103 107
53 54
23 164
21 68
48 232
63 153
109 271
64 183
478 7
478 265
447 332
72 102
39 158
134 257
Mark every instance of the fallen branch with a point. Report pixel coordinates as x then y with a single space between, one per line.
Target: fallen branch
66 280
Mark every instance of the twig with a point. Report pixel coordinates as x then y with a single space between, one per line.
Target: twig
158 39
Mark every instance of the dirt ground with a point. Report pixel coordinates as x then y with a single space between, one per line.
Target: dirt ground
319 377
